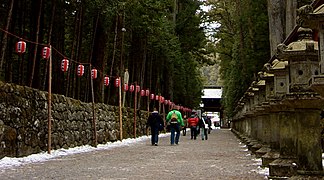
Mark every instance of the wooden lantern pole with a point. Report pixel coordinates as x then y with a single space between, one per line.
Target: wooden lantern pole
148 102
159 102
120 112
135 103
93 112
49 142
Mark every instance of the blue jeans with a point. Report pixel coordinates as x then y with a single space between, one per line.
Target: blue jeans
204 133
175 128
154 135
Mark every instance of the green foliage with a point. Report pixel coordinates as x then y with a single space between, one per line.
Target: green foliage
161 54
242 44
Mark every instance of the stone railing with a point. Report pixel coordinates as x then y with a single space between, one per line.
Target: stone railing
24 122
279 116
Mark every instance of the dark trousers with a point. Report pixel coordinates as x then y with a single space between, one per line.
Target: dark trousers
154 135
175 133
193 132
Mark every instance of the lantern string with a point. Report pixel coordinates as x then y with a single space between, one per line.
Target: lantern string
61 54
32 42
69 58
54 49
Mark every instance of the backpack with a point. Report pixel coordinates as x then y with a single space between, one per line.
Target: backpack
174 117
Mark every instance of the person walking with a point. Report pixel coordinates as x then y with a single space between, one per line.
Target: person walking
184 128
175 121
192 123
208 121
204 128
155 122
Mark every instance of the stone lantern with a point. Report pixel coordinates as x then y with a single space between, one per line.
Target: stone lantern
261 85
308 17
271 108
280 72
269 86
299 128
303 60
251 116
244 116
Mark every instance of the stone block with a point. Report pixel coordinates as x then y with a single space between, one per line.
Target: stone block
262 151
269 157
282 168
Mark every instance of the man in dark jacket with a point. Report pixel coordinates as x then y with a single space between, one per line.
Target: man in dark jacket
156 123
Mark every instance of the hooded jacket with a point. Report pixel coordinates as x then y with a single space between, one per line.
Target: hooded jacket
155 120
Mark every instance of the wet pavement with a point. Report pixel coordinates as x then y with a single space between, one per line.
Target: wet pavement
222 156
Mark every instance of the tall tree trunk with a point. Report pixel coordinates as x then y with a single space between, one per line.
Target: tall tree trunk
49 41
175 11
23 26
114 52
77 82
115 46
4 39
291 8
69 85
276 13
91 53
142 75
95 42
36 45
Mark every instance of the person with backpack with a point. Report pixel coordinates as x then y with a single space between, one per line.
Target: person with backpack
156 123
193 122
175 121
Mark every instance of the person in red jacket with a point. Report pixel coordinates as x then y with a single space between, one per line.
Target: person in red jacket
192 123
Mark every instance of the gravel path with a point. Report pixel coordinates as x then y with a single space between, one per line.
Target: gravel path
222 156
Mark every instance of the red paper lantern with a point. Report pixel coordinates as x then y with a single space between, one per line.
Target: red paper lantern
21 47
166 102
94 73
147 92
46 52
106 81
138 88
117 82
157 97
142 92
170 103
80 70
131 88
65 65
152 96
125 87
161 99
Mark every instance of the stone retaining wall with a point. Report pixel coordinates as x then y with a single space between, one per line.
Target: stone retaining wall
24 121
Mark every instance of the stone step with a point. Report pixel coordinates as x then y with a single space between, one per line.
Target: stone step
269 157
282 168
262 151
256 147
251 143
